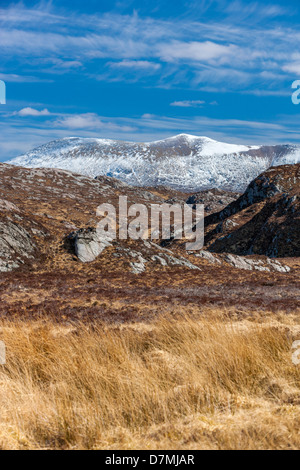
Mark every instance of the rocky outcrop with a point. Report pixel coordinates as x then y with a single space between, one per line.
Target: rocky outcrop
16 245
274 231
214 200
244 263
6 206
265 220
275 181
87 244
249 264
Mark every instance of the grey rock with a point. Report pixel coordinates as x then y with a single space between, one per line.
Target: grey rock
208 256
8 206
250 264
88 245
16 244
138 267
242 262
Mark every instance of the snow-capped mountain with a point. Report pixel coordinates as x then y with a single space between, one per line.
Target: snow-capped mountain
183 162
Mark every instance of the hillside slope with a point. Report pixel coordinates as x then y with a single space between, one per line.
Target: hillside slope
265 220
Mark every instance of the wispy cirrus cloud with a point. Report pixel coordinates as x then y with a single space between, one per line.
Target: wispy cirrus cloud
15 78
196 51
135 64
258 10
90 121
188 104
213 47
74 43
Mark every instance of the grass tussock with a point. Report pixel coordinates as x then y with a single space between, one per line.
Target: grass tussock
184 384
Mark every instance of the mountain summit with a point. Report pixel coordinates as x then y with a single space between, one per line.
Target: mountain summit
184 162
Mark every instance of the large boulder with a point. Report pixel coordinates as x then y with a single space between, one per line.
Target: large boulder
87 244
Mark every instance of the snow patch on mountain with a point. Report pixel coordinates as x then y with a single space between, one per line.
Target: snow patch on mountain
183 162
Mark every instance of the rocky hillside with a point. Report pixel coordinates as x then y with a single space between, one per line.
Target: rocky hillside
265 220
52 261
214 200
49 216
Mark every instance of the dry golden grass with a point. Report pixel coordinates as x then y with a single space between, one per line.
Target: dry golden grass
175 384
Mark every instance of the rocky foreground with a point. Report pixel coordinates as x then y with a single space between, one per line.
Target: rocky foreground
52 262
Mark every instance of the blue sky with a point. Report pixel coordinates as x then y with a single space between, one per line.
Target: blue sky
142 71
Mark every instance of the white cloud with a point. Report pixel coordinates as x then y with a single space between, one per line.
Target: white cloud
188 104
80 121
135 64
26 112
59 66
195 51
229 76
132 43
261 11
293 67
89 121
14 78
68 64
148 116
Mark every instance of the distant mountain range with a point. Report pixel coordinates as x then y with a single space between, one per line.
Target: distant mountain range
184 162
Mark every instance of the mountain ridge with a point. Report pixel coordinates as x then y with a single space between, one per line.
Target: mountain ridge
183 162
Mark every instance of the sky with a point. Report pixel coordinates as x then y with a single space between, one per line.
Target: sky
143 71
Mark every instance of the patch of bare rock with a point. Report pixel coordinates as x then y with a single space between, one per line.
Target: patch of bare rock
262 264
16 245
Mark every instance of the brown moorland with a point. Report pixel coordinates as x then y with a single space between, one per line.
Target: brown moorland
188 353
